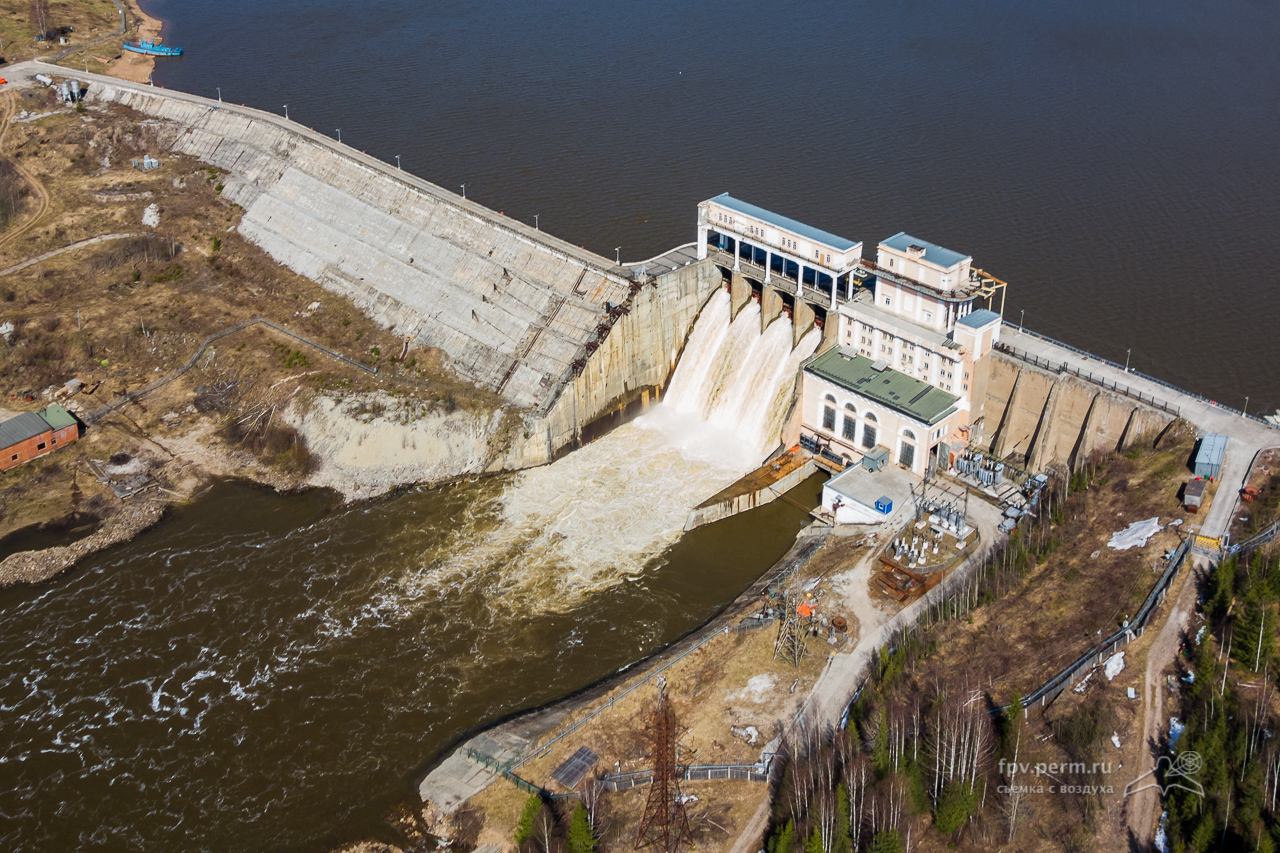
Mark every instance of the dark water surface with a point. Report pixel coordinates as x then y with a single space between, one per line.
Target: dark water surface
259 672
270 673
1117 161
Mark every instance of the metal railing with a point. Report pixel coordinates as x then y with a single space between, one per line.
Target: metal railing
1142 375
1050 690
1065 367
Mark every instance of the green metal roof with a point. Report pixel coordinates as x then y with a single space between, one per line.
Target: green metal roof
900 392
57 417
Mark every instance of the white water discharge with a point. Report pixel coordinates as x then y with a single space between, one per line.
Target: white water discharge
600 515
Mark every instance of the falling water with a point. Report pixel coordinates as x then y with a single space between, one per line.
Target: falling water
603 514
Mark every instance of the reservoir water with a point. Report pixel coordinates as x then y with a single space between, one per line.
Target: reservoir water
265 672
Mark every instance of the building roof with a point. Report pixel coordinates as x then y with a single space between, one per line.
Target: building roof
978 319
826 238
58 417
902 393
1212 449
933 253
24 426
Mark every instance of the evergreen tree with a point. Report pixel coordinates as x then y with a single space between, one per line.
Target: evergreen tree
844 838
955 804
886 841
524 826
1254 643
783 838
813 844
582 838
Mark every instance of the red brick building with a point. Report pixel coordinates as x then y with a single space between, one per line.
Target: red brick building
33 434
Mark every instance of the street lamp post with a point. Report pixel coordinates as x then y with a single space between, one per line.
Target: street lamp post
338 131
1126 359
618 255
219 88
535 223
286 112
1021 316
1246 406
464 190
397 161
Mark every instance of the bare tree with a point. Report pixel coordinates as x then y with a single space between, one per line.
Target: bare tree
40 16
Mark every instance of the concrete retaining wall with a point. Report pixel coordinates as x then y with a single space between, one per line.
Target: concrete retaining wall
632 364
708 513
1036 417
512 307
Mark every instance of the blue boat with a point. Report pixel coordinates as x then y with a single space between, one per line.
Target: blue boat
150 48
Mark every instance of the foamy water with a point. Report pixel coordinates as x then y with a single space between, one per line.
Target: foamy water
603 514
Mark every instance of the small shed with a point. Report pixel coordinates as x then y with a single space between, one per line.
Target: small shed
1210 452
875 458
1193 494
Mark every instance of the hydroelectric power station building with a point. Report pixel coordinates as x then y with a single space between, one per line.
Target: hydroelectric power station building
903 340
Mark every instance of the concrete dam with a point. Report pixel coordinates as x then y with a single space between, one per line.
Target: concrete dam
553 328
564 335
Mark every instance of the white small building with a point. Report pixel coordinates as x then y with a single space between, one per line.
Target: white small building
857 497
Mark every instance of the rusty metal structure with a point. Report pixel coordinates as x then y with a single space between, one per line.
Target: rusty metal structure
791 644
665 825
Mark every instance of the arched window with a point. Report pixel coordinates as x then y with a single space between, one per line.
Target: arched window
869 431
907 452
908 434
850 422
829 414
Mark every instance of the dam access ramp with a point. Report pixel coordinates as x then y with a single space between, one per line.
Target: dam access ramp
513 307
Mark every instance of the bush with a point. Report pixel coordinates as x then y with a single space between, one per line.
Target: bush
886 841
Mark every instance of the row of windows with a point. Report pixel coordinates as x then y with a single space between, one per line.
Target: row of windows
849 430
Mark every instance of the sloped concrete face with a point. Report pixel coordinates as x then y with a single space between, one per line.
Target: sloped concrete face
511 306
1039 418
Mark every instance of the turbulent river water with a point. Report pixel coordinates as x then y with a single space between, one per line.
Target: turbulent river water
262 672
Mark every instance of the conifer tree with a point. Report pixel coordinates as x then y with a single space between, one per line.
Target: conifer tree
524 826
582 838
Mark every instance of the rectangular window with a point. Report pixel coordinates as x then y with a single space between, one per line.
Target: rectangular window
53 441
888 301
966 387
15 458
850 428
828 418
40 446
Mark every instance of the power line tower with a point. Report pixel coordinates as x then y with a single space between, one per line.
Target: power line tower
791 645
664 824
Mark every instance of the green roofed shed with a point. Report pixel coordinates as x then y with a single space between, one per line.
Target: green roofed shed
57 417
898 391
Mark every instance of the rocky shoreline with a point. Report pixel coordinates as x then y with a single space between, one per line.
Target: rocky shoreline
33 567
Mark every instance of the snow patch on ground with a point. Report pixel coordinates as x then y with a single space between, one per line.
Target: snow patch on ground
1135 535
1114 665
757 690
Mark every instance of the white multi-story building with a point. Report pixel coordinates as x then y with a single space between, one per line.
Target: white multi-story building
902 375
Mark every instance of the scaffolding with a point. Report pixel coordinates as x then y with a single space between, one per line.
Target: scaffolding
665 825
